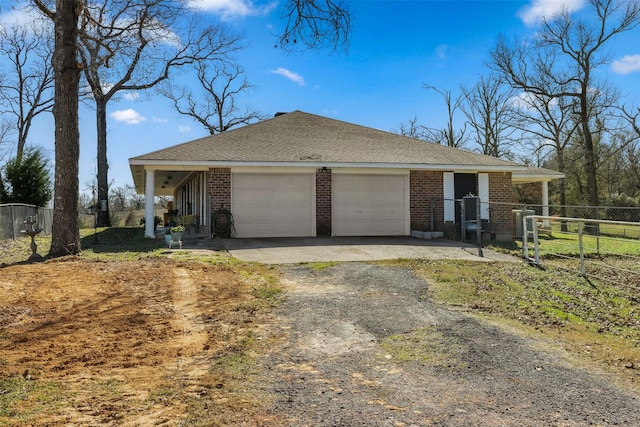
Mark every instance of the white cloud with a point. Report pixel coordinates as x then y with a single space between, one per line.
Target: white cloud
131 96
441 51
628 64
230 9
130 117
159 120
294 77
530 102
184 129
538 9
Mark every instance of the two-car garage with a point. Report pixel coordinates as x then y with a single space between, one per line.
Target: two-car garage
284 204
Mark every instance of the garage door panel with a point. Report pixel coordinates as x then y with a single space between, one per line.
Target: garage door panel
273 205
369 205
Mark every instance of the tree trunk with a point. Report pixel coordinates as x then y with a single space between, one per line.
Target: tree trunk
103 165
65 235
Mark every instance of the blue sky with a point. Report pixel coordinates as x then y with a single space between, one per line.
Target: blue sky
396 48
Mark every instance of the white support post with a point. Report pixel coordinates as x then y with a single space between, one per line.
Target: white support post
545 203
149 204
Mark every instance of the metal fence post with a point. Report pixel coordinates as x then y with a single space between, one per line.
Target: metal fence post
525 234
13 224
433 213
463 236
536 246
581 247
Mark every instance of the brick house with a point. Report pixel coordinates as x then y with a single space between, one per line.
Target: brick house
300 174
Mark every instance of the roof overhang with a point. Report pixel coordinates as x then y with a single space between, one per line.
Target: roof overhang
169 174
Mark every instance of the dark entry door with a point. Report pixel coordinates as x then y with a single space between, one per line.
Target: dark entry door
463 184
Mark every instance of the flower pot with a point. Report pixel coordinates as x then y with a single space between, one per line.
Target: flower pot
167 238
176 236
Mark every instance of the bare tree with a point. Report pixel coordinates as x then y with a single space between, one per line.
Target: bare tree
414 130
216 108
449 135
488 109
551 122
315 24
564 56
65 234
132 45
26 89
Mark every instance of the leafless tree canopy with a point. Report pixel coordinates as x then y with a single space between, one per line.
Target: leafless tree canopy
26 86
315 24
449 135
132 45
560 62
488 109
216 106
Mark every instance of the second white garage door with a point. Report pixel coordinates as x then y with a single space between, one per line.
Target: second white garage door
370 205
273 205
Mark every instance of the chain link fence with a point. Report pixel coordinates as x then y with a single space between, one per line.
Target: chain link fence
13 216
602 249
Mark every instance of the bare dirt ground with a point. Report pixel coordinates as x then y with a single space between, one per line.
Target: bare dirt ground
120 343
162 342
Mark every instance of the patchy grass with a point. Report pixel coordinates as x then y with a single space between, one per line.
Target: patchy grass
425 346
124 244
23 398
592 319
319 266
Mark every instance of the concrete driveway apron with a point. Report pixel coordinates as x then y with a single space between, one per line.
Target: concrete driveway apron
328 249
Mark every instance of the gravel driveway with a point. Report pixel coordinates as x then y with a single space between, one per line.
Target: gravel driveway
365 347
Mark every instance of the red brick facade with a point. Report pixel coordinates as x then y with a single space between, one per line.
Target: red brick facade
323 202
425 188
219 188
500 196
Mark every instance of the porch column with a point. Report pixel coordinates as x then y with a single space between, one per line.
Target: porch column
545 202
149 204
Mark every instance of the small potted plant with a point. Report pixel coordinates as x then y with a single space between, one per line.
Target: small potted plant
176 232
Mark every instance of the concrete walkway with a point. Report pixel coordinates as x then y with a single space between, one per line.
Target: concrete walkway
327 249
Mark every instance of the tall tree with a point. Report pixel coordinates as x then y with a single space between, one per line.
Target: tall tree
489 109
551 122
65 235
26 89
132 45
566 52
216 107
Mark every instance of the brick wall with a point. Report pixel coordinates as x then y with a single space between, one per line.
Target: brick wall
500 191
219 188
423 186
323 202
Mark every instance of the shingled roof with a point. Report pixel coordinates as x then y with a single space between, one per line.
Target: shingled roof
307 139
300 139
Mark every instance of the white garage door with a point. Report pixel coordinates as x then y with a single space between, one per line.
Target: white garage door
272 205
370 205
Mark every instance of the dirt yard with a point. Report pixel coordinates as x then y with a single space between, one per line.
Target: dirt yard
124 343
172 343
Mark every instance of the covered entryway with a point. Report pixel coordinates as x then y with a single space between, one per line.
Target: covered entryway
370 205
273 205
